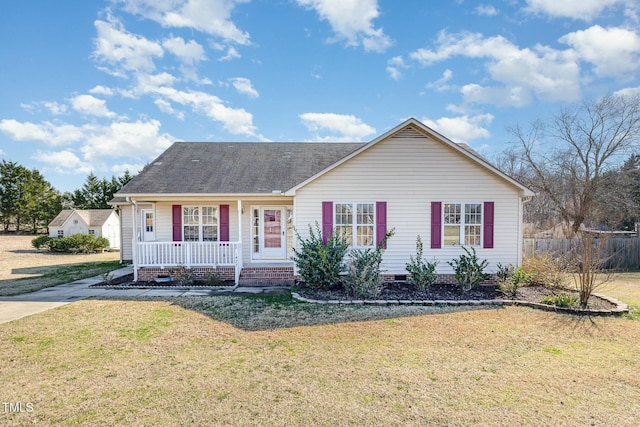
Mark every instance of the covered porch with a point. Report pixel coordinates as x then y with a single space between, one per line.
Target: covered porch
246 241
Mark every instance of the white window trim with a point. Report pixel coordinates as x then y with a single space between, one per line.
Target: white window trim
354 225
462 223
200 225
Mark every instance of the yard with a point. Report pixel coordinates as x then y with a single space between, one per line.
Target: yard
232 360
25 269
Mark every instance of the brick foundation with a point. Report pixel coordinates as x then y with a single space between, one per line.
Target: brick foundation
148 274
265 276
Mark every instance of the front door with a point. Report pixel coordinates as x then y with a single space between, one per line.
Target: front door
148 226
274 233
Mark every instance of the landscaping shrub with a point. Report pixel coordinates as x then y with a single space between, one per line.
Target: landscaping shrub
318 263
469 271
561 300
365 278
547 269
510 279
85 243
41 242
423 273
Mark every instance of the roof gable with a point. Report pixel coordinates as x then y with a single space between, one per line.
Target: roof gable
413 128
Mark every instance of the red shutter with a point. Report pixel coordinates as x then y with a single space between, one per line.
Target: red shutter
327 220
224 223
488 225
381 222
177 222
436 225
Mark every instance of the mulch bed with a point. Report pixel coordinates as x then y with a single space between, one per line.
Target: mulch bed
127 282
445 292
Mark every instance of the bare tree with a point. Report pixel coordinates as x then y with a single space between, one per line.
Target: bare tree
566 156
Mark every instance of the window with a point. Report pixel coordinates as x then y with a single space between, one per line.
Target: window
200 223
92 232
60 233
462 224
356 221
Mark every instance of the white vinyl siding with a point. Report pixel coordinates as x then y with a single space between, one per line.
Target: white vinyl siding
409 171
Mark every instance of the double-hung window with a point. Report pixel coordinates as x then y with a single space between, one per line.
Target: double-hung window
356 221
462 224
200 223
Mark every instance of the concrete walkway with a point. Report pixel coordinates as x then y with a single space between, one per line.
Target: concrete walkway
16 307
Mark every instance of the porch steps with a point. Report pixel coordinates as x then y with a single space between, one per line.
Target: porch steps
266 276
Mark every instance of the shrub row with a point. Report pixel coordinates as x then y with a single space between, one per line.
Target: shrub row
320 265
85 243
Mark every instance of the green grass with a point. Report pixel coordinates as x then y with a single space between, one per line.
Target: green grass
56 275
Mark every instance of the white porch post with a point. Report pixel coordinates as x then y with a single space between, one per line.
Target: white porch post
134 241
239 264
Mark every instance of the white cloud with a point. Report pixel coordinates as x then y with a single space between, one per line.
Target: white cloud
234 120
166 107
141 140
47 132
243 86
486 10
575 9
463 128
55 108
547 73
349 127
628 92
120 169
90 105
395 66
440 84
189 53
63 162
209 16
352 21
117 47
232 53
612 51
101 90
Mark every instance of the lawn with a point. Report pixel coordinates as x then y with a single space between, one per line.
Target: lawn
272 361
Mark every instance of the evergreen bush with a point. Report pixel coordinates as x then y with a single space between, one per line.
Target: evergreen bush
320 263
469 271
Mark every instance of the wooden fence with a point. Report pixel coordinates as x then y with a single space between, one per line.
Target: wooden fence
623 253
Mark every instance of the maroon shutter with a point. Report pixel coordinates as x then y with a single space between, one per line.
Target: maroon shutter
381 222
224 223
177 222
436 225
488 225
327 220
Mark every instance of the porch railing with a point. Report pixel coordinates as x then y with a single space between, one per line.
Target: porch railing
188 254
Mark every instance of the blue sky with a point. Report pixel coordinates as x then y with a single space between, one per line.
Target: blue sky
104 86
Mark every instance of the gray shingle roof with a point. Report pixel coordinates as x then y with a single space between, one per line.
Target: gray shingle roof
228 168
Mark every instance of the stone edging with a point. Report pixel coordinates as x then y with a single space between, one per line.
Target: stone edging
621 308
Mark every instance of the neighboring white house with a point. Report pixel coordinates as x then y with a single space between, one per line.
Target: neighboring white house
99 222
234 206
